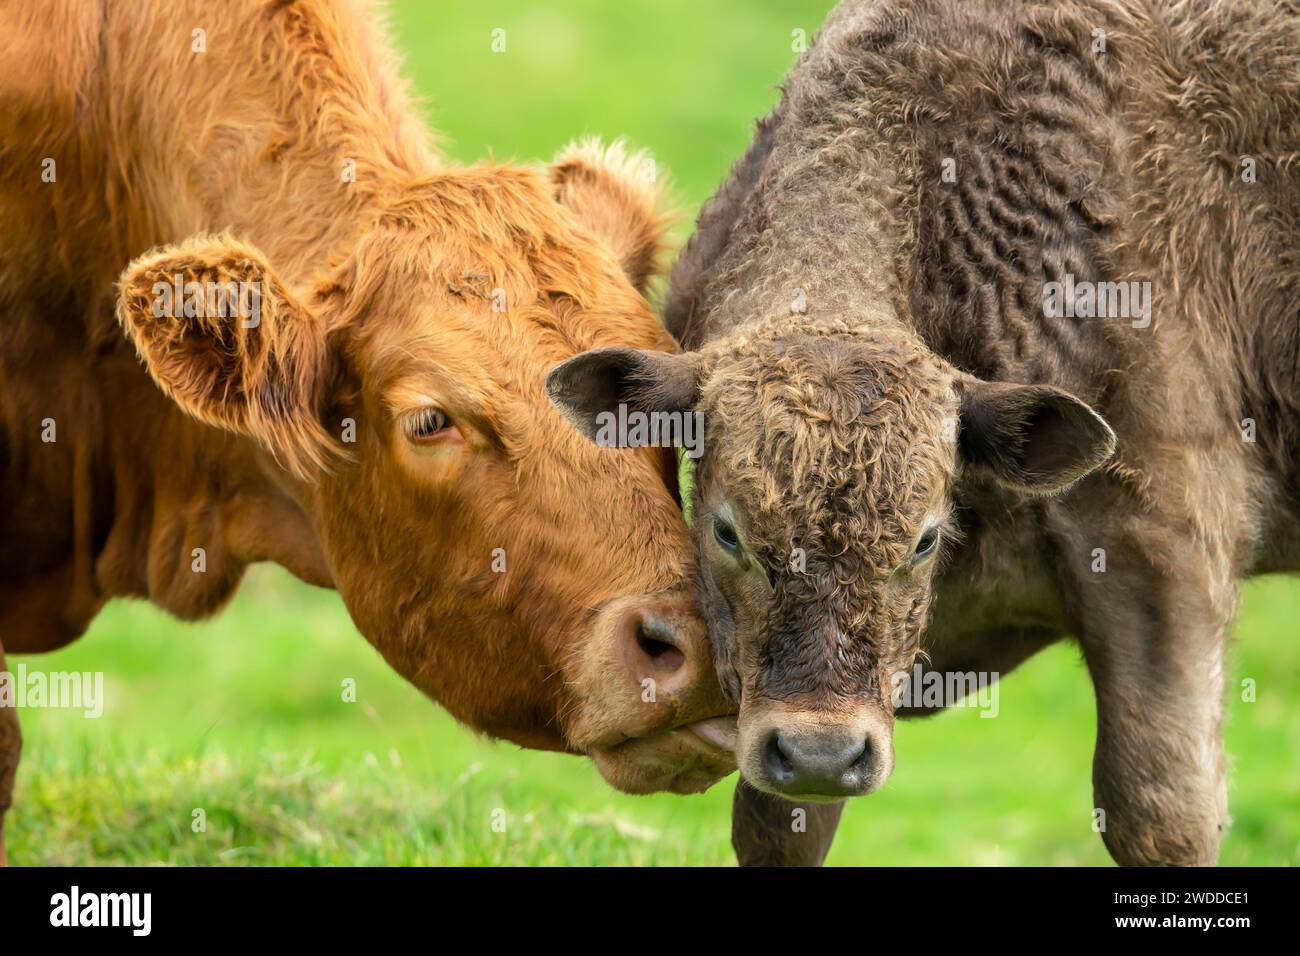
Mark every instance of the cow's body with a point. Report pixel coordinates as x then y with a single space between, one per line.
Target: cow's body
278 136
939 162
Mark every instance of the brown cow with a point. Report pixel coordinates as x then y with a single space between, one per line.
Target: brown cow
365 407
967 230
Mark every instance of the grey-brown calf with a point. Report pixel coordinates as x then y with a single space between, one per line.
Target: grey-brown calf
937 433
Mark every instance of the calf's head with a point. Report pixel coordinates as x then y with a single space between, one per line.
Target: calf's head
536 587
822 508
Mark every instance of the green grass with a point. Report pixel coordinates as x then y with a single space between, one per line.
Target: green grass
243 716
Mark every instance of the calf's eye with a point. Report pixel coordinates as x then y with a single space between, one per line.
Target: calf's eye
426 424
726 534
925 547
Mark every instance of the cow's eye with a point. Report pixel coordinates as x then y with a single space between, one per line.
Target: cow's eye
426 424
925 547
726 534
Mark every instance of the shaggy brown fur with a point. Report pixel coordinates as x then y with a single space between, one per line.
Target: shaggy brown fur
875 362
413 285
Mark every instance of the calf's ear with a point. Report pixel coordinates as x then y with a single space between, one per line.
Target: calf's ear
1034 438
601 380
224 338
616 194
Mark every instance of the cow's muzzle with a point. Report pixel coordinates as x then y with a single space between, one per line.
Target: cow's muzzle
651 712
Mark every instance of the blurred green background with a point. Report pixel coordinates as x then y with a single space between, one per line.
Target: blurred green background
243 716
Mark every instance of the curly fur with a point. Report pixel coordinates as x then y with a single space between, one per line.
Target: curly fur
816 422
931 166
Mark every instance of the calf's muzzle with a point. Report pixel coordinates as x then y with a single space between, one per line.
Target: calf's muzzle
802 753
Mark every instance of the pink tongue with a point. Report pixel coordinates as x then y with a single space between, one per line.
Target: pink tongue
719 731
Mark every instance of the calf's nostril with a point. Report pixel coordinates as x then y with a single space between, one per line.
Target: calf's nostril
862 759
780 756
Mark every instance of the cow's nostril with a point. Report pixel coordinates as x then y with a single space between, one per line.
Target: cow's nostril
652 638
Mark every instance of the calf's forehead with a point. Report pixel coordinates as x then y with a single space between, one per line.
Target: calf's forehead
810 441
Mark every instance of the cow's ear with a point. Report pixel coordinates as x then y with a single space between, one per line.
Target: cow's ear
617 195
224 338
601 380
1033 438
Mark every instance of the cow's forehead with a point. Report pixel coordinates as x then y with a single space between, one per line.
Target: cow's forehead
455 337
518 283
465 358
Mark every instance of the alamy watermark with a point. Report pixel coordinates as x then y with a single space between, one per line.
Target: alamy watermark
133 911
59 690
218 300
630 428
1084 299
934 690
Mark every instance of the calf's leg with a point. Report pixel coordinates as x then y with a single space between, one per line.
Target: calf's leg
769 831
1154 644
763 827
11 742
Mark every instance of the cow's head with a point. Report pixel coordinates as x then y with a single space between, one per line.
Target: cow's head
534 585
822 507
